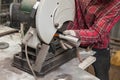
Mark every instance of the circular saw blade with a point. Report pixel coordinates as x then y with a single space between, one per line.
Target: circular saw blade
50 13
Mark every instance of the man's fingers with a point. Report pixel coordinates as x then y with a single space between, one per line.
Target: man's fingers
69 32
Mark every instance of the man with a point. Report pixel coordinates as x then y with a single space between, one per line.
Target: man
93 22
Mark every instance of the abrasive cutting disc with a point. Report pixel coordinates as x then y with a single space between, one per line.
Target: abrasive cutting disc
50 13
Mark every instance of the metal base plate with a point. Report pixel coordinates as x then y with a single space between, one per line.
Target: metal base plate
49 64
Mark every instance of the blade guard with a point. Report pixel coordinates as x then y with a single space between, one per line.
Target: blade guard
51 15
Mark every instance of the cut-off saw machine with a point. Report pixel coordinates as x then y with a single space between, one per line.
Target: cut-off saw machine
44 46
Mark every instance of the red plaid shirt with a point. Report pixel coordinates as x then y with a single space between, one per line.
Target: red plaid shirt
93 22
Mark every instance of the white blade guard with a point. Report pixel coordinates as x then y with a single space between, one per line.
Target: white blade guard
51 12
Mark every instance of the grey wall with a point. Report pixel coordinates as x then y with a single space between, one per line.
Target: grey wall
115 33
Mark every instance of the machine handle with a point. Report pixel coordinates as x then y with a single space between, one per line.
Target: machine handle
33 12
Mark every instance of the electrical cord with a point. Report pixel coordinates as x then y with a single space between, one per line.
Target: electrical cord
27 58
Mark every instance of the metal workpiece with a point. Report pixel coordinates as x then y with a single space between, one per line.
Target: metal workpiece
75 42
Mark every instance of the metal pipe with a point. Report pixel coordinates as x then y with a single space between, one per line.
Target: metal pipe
69 39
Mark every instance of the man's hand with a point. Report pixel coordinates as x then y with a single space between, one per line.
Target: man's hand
69 32
71 37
